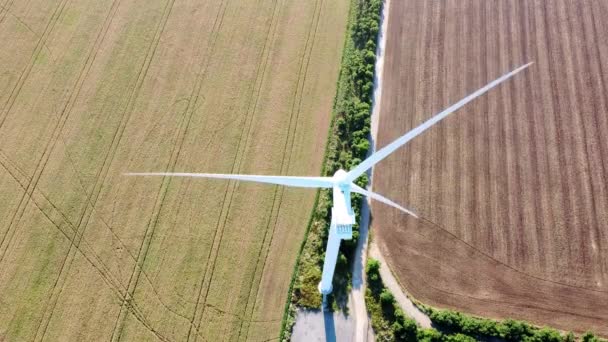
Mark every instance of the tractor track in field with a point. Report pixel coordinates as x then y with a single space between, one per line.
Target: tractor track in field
166 181
104 270
50 145
88 252
10 231
269 42
8 105
4 9
101 175
128 298
286 161
602 145
248 121
584 154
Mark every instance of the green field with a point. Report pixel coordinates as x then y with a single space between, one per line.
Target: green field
91 89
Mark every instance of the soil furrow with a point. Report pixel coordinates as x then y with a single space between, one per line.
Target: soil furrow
531 167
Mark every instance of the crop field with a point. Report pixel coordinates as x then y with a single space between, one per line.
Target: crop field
91 89
513 188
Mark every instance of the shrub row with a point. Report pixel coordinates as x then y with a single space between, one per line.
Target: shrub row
508 330
347 145
391 324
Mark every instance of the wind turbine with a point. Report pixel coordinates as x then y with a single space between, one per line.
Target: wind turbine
342 183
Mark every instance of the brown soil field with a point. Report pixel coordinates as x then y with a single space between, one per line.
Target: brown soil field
91 89
513 188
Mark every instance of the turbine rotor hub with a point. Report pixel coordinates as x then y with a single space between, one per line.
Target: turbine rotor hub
340 178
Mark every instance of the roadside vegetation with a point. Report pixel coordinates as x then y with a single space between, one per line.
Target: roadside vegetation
390 323
347 146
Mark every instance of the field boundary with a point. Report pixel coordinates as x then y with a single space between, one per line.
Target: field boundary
330 161
286 161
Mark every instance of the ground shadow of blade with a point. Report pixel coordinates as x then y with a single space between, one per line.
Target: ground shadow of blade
330 327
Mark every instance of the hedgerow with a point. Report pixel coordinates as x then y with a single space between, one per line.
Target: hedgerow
508 330
391 324
348 144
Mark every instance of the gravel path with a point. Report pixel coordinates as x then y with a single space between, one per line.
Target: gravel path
323 326
393 285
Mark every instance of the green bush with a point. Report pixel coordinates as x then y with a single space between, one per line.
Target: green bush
372 268
429 335
386 297
589 337
458 338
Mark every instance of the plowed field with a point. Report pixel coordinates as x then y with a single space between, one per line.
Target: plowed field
90 89
513 187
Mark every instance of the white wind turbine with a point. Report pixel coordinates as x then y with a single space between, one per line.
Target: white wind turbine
342 215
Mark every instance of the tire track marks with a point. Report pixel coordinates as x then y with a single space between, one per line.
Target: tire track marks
8 105
4 9
27 27
288 151
175 153
561 134
54 137
437 81
20 177
535 149
87 251
550 214
585 114
228 195
522 253
103 171
485 216
582 186
546 134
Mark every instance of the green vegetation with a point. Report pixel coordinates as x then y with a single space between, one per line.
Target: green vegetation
391 324
348 144
509 330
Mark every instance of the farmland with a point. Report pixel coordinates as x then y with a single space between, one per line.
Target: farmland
92 89
511 189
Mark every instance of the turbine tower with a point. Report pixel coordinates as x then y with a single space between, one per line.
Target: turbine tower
342 183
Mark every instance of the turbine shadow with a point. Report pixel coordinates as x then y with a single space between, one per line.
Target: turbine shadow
330 327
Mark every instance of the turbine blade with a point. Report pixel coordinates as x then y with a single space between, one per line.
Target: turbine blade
302 182
380 198
390 148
